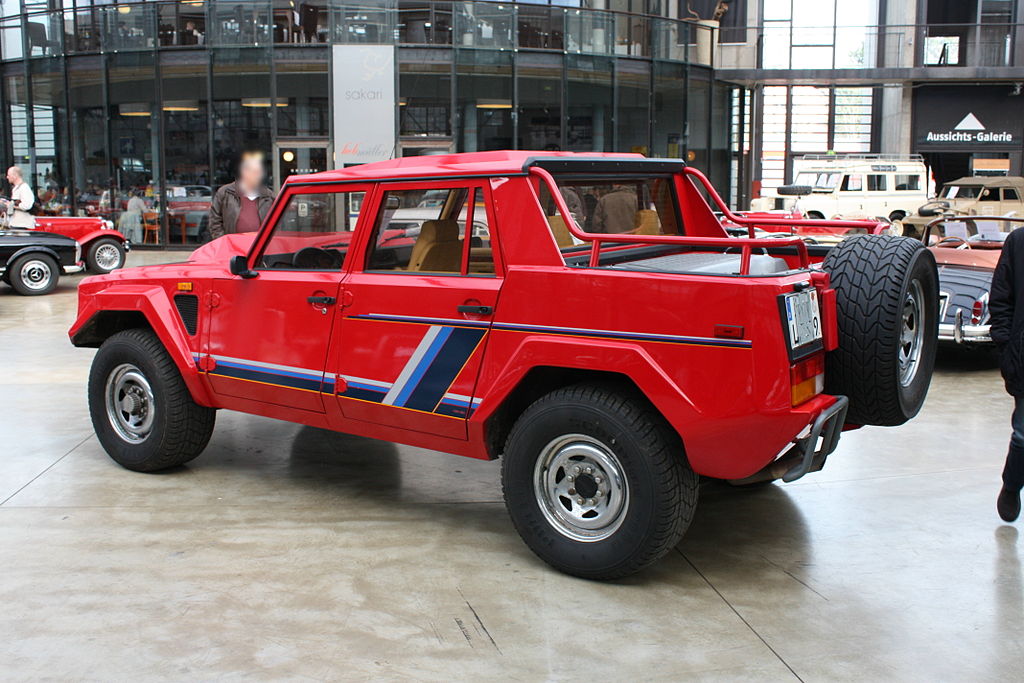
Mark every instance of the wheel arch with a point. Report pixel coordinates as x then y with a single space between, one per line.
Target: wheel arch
518 386
99 233
110 311
35 249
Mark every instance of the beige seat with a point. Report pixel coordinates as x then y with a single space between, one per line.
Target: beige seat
438 248
647 222
563 238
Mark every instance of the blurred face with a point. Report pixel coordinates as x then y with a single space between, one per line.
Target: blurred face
250 173
12 176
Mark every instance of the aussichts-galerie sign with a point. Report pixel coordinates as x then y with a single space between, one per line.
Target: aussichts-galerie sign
967 118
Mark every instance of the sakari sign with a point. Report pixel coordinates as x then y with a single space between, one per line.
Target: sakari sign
967 118
364 103
970 129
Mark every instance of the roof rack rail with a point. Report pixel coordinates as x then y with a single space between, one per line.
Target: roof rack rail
861 157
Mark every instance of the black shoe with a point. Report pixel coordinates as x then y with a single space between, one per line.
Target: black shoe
1008 504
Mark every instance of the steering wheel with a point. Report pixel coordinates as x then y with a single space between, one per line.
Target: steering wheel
315 258
960 242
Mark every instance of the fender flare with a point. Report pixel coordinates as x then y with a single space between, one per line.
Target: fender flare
631 360
156 307
33 249
100 233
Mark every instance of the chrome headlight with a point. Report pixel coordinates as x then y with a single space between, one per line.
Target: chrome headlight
109 225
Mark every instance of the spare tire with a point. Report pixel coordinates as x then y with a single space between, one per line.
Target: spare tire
887 297
794 190
933 208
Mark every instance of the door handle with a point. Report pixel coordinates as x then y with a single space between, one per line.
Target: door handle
321 300
476 310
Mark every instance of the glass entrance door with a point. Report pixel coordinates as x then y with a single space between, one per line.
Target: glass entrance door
300 158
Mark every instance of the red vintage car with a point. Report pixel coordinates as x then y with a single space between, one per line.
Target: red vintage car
609 354
103 247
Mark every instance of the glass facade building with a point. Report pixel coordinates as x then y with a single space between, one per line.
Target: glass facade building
102 101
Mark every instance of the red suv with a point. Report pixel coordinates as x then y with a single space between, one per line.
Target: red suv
584 317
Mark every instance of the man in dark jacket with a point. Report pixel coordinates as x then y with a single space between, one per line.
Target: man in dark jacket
1006 308
242 205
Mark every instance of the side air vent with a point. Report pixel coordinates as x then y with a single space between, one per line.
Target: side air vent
188 309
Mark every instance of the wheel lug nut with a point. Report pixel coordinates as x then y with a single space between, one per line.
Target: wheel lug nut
590 470
598 479
590 502
572 492
570 478
580 501
577 469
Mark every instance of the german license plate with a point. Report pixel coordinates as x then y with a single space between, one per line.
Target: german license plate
803 317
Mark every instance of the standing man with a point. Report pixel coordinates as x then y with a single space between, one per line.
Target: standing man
242 205
1006 307
22 200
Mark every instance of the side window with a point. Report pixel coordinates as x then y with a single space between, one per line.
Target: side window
877 182
907 183
425 231
313 232
989 195
1009 194
852 183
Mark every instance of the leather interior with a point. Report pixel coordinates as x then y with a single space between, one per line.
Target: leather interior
438 248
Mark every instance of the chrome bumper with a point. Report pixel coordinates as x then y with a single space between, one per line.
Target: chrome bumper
963 333
77 268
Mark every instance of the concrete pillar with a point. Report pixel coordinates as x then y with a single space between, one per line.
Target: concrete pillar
897 102
469 129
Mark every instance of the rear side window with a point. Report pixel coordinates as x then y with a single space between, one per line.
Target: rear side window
433 231
877 182
1010 194
313 232
907 183
989 195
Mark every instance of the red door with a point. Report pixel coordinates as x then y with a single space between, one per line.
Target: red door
269 334
418 309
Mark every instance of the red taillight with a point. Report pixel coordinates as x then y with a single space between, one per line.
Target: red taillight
807 379
977 310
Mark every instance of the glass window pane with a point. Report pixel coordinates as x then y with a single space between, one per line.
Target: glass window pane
313 232
242 110
424 94
540 99
484 100
51 180
240 22
134 148
186 144
88 136
633 113
302 87
590 102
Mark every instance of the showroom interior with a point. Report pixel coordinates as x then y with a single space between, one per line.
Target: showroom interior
329 527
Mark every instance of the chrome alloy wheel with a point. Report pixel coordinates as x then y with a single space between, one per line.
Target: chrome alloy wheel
130 404
580 488
107 257
36 274
911 333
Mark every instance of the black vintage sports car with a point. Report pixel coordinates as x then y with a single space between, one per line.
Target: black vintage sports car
32 261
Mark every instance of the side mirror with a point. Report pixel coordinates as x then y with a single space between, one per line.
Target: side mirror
240 266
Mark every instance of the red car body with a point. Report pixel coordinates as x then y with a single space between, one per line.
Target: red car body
88 231
707 351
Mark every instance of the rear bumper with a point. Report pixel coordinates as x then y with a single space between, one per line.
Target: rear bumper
962 333
76 268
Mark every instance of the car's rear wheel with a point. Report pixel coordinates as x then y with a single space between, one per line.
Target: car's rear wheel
141 409
104 255
887 300
34 274
596 482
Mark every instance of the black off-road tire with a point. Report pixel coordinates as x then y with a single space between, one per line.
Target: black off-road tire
180 427
873 276
23 281
107 244
661 489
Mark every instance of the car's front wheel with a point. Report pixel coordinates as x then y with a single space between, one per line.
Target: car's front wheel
104 255
596 482
34 274
142 411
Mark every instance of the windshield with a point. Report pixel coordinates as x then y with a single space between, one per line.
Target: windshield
961 191
819 181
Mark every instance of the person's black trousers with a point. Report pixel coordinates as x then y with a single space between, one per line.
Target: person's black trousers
1013 472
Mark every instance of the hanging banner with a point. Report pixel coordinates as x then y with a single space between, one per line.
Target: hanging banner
968 118
364 103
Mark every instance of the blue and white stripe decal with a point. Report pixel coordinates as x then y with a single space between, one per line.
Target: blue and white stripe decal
565 331
272 373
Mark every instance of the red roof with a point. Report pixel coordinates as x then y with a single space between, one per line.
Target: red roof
470 163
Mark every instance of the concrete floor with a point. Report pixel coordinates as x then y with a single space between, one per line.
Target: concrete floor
289 552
